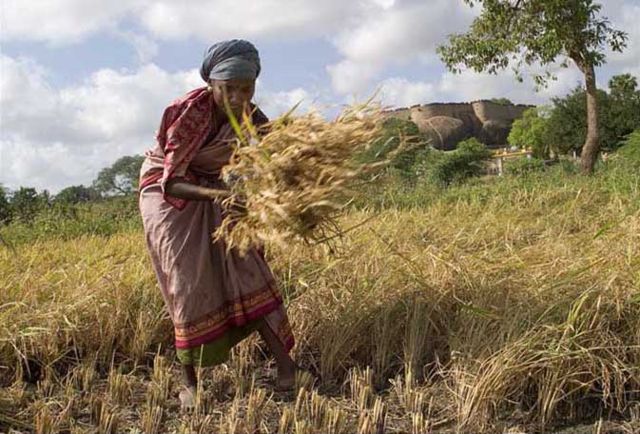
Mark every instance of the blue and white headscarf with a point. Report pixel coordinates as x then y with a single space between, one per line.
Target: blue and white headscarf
230 60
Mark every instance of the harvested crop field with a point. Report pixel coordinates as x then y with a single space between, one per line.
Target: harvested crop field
503 305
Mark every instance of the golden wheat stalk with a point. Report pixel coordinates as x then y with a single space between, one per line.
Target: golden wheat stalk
294 181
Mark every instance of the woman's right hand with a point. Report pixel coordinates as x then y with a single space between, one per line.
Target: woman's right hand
239 205
185 190
218 195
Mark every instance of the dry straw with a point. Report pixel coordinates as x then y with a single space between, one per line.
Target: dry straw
295 180
531 286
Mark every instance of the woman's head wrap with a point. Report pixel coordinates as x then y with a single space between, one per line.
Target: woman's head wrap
229 60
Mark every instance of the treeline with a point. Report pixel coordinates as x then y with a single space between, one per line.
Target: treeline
550 132
561 128
113 182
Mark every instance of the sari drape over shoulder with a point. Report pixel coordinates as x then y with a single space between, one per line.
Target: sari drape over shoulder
214 297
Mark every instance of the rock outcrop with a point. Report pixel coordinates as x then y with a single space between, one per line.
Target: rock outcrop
448 124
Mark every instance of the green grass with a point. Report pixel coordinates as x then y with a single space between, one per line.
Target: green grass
66 222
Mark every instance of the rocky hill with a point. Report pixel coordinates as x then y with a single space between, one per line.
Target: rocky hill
446 124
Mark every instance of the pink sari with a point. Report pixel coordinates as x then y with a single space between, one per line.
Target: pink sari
213 297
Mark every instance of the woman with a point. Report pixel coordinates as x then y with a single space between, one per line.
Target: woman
214 298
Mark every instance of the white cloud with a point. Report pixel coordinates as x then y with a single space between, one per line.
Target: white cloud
400 92
470 85
407 33
385 4
45 166
67 21
146 48
214 19
624 16
61 21
122 104
379 31
369 34
52 138
274 104
28 104
352 77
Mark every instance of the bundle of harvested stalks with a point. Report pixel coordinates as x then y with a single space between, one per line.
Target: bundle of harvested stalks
294 181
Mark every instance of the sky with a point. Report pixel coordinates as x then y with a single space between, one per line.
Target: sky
84 82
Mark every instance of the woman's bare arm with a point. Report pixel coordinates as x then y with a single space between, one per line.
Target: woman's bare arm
184 190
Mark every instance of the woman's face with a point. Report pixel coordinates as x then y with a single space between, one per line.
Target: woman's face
237 92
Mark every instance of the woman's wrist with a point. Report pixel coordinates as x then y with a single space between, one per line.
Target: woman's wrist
215 194
186 190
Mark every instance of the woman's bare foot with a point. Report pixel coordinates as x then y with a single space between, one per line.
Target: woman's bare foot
188 398
189 389
295 377
286 379
286 366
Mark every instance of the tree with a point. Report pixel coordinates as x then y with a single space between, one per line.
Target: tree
77 194
619 112
624 85
567 124
502 101
25 203
121 178
527 32
5 206
624 106
530 132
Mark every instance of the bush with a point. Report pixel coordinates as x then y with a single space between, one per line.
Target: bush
26 203
394 131
466 161
570 167
629 154
5 207
65 221
524 166
530 132
77 194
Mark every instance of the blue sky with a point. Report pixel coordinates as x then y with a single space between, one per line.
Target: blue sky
83 82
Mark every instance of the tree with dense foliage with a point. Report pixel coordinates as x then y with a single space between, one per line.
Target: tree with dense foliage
619 111
77 194
623 85
527 32
26 203
530 132
501 101
567 123
5 206
624 106
121 178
